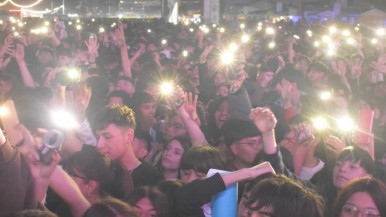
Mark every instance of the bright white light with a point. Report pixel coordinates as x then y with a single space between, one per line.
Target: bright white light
320 123
332 29
227 57
191 30
326 39
222 29
316 43
101 30
270 31
345 124
46 23
149 30
381 31
78 27
296 37
166 88
350 41
325 95
164 41
185 53
309 33
242 26
233 46
73 74
64 119
3 111
271 44
374 41
245 38
346 33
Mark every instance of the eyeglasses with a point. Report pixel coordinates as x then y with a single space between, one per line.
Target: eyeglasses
350 210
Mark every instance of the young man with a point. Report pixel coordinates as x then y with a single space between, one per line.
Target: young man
244 143
114 128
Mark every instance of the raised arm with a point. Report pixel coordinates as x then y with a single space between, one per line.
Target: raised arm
126 65
25 73
187 112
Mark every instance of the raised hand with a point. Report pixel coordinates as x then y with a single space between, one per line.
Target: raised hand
8 46
92 47
263 118
19 53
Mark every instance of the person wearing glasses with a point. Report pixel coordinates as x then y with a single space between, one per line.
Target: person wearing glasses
244 143
363 197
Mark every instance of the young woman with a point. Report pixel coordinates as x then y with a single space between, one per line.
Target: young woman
171 157
365 196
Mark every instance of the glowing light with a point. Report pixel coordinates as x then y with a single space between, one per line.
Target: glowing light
233 46
19 5
325 95
120 16
259 28
350 41
272 44
326 39
345 124
3 111
70 23
270 31
245 38
309 33
78 27
381 32
16 34
77 21
164 41
185 53
356 28
46 23
320 123
166 88
296 37
332 29
1 22
101 30
149 30
331 52
191 30
374 41
92 20
204 29
73 74
346 33
222 29
316 43
64 119
227 57
242 26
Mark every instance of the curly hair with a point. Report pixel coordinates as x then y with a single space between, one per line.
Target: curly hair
119 115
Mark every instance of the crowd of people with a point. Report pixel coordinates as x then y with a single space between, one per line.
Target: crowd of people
147 108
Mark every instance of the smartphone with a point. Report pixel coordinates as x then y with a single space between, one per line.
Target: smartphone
305 134
9 120
365 125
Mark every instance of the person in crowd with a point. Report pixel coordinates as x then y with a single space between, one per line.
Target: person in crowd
281 196
363 196
148 202
171 157
110 207
114 127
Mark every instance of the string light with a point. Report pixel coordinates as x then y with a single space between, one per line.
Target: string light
19 5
